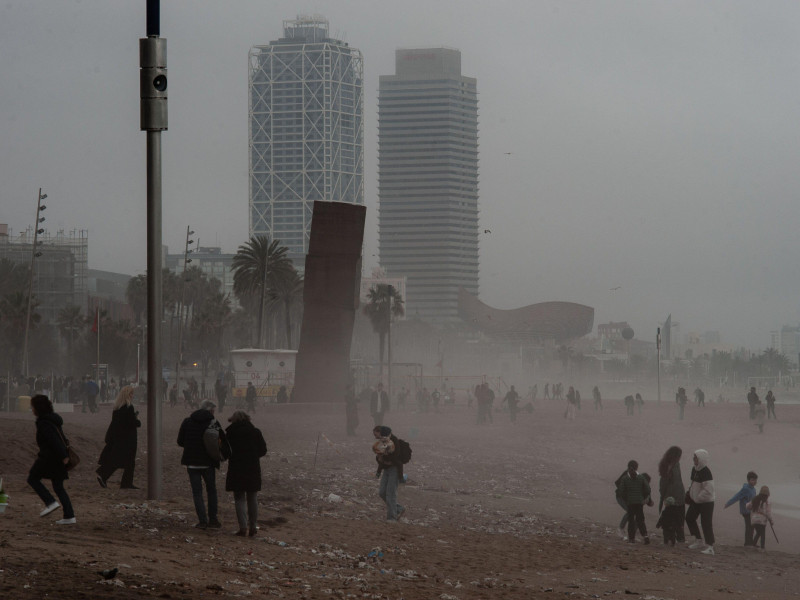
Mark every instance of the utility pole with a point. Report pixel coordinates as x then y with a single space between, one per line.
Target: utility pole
34 253
186 261
658 362
390 292
153 120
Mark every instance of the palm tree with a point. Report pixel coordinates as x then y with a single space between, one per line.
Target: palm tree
208 323
287 291
14 276
13 317
256 266
377 309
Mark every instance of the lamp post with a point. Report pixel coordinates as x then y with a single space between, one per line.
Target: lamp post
390 292
186 261
153 120
34 255
658 362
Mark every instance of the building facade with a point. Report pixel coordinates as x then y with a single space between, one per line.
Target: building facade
60 267
306 138
211 261
428 180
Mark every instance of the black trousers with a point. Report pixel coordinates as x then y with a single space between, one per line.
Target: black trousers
636 520
705 511
759 533
748 531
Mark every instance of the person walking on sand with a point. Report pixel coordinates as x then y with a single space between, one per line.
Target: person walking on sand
670 485
628 404
200 466
390 471
743 497
512 397
378 404
51 461
572 402
250 397
121 442
221 392
634 490
244 470
701 496
351 410
681 400
762 514
598 401
752 401
699 397
771 405
639 402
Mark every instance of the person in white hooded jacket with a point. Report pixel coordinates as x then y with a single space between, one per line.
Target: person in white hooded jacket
700 500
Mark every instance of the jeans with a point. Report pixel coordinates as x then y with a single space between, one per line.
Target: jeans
705 511
47 497
196 478
246 509
388 493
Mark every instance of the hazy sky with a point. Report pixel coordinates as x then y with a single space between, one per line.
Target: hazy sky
653 145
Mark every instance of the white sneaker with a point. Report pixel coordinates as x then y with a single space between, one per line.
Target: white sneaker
49 508
709 550
71 521
697 544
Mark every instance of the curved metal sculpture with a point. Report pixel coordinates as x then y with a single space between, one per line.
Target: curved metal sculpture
545 320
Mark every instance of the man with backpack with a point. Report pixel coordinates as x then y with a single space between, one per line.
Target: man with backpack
199 433
390 470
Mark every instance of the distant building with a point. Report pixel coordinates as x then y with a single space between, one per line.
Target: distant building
211 261
60 272
428 180
306 138
787 342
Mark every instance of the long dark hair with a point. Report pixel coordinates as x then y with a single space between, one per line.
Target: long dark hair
41 405
669 460
758 501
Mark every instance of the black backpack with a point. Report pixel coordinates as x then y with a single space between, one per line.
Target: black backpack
403 451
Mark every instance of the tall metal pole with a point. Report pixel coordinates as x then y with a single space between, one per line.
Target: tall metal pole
153 120
390 290
25 360
658 362
186 260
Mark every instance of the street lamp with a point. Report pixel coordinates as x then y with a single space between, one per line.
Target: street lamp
34 255
186 261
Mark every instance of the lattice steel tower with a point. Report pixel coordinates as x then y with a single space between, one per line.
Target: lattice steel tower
306 115
428 180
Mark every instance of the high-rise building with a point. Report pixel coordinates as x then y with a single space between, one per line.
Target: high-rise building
306 130
428 180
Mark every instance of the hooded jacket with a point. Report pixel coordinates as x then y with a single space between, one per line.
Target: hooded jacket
744 496
190 438
701 489
52 449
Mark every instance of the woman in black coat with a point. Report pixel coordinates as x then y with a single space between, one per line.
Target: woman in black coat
244 470
121 442
51 462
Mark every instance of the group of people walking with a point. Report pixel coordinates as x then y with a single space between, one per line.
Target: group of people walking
679 505
242 443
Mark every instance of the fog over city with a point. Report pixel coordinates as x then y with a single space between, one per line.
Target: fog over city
637 157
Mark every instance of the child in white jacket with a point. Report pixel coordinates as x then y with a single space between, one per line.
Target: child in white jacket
761 514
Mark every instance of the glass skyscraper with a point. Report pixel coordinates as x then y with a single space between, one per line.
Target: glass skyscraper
428 180
306 139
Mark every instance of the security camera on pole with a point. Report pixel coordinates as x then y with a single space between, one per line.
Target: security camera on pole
153 120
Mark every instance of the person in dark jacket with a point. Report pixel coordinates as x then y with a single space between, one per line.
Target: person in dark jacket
670 485
752 401
390 470
250 396
771 405
634 490
379 404
51 461
200 466
244 470
120 449
221 392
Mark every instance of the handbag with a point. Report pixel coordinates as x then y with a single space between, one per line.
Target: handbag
74 458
